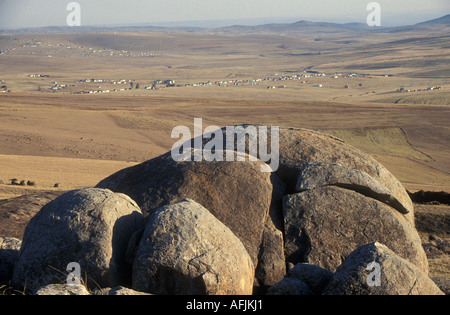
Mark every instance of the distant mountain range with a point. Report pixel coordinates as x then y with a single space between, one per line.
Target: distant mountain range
323 27
445 20
274 28
301 26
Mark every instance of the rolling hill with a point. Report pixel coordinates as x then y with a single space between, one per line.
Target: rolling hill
445 20
297 27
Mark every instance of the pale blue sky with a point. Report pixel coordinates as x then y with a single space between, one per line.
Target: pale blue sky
37 13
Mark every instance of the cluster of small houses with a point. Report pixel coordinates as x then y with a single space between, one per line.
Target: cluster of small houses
39 76
51 49
166 83
307 75
72 50
171 83
157 84
235 82
403 90
274 78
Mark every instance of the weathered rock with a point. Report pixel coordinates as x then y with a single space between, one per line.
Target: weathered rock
315 277
347 199
323 226
325 174
290 286
358 275
236 193
90 227
118 291
271 266
298 147
9 252
271 261
62 289
186 250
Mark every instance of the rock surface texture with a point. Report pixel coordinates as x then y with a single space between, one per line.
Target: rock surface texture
186 250
202 226
396 276
236 193
324 225
90 227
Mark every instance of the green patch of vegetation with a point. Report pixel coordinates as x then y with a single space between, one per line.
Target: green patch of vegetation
386 141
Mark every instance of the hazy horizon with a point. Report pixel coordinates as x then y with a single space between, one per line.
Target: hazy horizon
31 13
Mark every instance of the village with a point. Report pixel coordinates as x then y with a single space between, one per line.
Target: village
35 47
52 83
271 81
98 86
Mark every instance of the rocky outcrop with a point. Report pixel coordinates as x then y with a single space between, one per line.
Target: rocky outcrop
90 227
236 193
186 250
62 289
374 269
227 227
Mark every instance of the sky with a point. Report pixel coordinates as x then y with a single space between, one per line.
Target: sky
215 13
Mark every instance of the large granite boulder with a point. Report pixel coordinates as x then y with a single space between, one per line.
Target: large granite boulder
374 269
235 192
324 225
186 250
90 227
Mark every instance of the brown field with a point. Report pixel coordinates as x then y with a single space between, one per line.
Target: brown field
54 136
